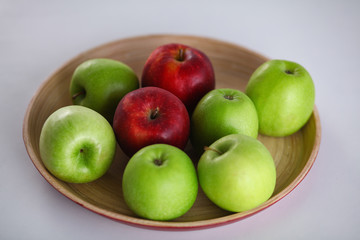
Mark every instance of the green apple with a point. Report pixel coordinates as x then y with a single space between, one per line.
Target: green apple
160 182
77 144
101 83
284 95
237 173
222 112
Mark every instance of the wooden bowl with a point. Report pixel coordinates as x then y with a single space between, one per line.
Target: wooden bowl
233 65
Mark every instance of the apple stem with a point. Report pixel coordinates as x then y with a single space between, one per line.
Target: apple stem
212 149
181 56
77 94
158 162
154 113
228 97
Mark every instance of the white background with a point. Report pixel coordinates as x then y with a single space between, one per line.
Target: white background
36 37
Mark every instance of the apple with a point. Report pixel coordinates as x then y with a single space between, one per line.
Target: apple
222 112
160 182
183 70
150 115
101 83
284 96
237 173
77 144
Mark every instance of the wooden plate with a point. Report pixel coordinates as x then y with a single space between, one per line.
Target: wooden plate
293 155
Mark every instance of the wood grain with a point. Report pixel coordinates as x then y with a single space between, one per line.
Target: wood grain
233 65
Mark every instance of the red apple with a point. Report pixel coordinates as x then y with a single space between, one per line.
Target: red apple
150 115
182 70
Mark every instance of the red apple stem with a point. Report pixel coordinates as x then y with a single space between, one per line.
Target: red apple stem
181 56
206 148
154 113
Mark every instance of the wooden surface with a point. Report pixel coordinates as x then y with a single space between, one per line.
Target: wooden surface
233 65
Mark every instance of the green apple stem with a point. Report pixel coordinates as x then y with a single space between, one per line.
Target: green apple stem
228 97
212 149
77 94
158 162
289 72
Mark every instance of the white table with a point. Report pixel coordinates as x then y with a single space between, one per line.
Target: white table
36 37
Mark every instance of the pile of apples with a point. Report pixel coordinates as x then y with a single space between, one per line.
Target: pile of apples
152 124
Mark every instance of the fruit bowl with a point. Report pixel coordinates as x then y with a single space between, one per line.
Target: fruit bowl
233 65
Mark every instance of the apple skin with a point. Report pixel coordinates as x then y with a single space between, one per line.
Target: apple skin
150 115
185 71
101 83
237 173
284 95
222 112
160 182
77 144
